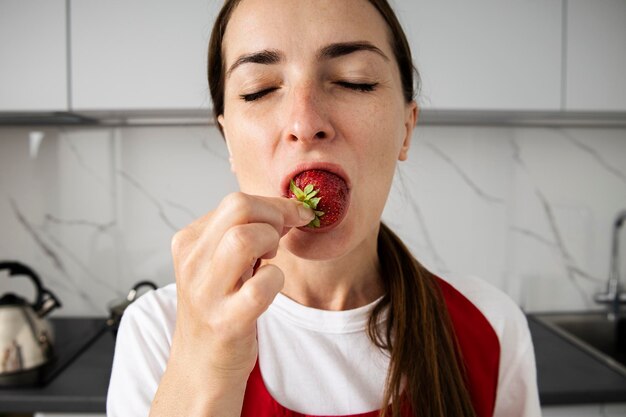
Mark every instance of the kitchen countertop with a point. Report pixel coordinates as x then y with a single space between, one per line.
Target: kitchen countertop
81 387
566 374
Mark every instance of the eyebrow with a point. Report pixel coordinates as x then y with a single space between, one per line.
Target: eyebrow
266 56
334 50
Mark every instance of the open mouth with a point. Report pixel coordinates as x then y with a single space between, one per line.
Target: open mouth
325 192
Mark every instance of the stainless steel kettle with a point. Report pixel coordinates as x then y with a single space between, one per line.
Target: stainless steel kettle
26 337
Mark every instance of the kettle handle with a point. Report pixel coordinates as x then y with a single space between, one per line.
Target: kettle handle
46 301
133 292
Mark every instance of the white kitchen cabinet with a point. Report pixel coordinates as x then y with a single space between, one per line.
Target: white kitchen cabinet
33 60
596 55
486 54
140 54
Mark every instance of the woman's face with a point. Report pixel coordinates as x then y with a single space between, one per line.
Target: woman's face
314 84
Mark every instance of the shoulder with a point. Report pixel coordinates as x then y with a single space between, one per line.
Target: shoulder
147 326
503 314
151 319
142 349
473 303
157 305
155 311
149 322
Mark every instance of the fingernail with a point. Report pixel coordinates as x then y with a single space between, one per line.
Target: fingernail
305 213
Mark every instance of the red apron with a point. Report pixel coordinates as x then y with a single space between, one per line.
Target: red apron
480 349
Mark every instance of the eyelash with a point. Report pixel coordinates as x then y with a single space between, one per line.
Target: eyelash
363 87
257 95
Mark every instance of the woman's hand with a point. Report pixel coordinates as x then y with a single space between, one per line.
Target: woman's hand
219 300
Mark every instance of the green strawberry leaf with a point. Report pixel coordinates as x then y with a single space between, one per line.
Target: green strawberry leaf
297 191
308 199
312 194
315 201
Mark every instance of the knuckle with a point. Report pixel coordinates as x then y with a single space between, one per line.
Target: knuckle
238 239
182 245
273 233
179 242
235 201
240 204
256 297
260 296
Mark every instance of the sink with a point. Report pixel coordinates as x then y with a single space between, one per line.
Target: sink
592 331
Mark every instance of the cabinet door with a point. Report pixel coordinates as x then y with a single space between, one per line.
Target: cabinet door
140 54
33 60
596 55
486 54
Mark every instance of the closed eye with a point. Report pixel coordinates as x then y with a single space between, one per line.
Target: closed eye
257 95
357 86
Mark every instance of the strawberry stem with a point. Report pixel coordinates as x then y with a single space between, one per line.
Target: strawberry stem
308 199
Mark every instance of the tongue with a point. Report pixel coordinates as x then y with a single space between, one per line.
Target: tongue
332 192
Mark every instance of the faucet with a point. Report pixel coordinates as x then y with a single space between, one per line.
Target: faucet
614 296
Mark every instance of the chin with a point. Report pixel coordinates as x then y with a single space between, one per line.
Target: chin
335 243
320 245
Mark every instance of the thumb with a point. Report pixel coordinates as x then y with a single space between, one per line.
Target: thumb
257 293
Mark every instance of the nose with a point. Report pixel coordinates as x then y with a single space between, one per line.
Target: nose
308 118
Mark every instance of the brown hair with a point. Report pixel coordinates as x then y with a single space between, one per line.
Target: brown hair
419 336
418 333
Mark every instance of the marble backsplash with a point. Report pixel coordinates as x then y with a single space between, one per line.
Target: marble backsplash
93 209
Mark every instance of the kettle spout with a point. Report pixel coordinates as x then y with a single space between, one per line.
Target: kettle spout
47 303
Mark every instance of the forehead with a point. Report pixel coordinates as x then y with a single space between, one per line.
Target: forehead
302 26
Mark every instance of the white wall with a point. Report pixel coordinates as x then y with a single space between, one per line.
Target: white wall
528 209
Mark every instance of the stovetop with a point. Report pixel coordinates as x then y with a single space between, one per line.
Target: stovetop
72 336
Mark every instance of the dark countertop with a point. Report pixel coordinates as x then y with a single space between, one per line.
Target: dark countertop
81 386
566 374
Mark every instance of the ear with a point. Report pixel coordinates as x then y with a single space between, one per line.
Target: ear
410 120
220 120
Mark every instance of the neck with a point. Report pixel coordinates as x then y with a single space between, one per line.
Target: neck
342 283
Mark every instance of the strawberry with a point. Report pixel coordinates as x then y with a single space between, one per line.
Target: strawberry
324 192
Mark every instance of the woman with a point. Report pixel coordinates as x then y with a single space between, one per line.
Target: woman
310 305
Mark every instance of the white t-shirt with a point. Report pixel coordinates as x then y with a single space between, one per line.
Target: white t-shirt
349 372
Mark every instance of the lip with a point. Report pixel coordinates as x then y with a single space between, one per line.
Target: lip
307 166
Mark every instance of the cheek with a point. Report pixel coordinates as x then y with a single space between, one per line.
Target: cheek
250 129
250 152
379 140
381 134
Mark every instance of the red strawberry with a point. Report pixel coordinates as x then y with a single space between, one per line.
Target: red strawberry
323 191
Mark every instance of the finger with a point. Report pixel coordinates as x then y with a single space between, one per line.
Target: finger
252 270
240 208
295 214
186 239
236 253
257 293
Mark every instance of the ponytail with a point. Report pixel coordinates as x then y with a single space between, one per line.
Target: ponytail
426 371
